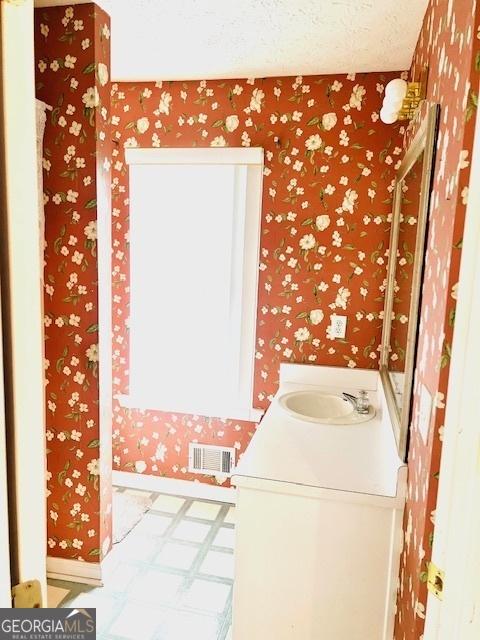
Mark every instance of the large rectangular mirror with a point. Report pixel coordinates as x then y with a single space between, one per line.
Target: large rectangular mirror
404 276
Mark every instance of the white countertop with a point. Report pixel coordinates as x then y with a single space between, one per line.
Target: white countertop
360 458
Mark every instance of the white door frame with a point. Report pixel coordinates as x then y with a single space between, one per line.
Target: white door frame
22 299
456 548
5 583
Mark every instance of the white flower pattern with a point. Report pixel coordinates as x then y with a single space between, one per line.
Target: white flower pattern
325 177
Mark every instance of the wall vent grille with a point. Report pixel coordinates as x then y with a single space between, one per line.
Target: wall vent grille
210 459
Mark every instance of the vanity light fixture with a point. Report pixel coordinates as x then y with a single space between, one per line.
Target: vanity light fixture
401 100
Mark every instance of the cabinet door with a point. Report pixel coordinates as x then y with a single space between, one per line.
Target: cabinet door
311 568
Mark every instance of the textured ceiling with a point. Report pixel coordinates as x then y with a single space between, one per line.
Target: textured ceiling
196 39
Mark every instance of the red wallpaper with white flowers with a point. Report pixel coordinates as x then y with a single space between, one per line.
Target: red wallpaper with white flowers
72 75
449 44
328 173
329 164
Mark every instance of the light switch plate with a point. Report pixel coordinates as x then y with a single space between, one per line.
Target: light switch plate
338 326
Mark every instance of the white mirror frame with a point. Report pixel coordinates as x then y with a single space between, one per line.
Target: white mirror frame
423 142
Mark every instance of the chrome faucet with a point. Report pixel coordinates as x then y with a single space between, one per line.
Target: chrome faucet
360 404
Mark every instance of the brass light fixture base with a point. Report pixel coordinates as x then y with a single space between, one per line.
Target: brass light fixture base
411 101
416 92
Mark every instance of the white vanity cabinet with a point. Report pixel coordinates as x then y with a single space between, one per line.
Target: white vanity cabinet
318 521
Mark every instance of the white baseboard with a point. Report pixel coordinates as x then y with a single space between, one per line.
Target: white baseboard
187 488
74 571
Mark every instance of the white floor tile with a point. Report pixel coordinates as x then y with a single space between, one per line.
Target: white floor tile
180 625
168 504
136 547
207 596
217 563
155 587
154 600
230 517
178 556
152 524
205 510
120 577
225 538
111 560
135 622
104 605
191 531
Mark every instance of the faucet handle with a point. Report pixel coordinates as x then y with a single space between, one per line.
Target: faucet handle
363 401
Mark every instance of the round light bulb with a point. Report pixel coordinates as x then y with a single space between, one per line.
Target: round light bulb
396 89
393 105
387 116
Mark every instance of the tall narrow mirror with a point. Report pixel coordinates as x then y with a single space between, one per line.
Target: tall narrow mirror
404 279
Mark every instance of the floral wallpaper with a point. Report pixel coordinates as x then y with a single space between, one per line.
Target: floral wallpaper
72 76
449 44
329 167
328 177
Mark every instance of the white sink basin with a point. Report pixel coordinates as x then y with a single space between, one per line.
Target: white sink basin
317 406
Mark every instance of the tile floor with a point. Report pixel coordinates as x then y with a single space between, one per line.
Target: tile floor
171 577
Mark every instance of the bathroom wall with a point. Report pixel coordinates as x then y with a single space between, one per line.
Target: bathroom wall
72 50
449 44
329 163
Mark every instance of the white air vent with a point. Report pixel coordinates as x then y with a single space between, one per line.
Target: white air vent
210 459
